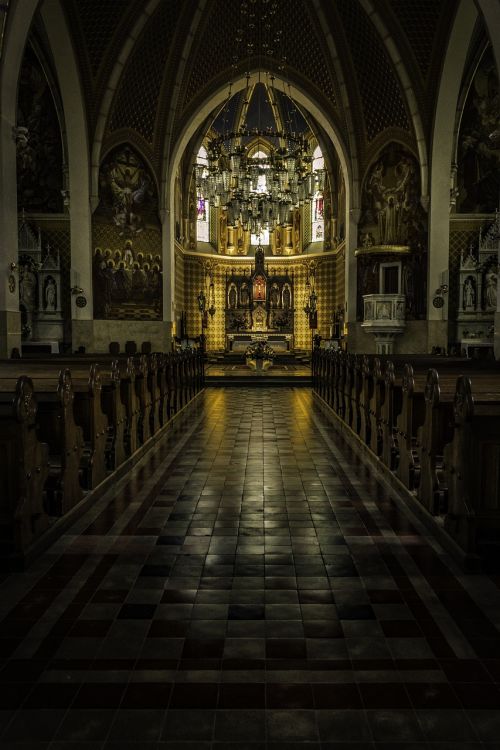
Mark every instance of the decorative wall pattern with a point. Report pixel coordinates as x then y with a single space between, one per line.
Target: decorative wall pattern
478 153
38 142
419 22
383 105
325 288
98 23
136 101
303 51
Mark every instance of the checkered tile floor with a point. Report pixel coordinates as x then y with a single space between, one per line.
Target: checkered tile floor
248 586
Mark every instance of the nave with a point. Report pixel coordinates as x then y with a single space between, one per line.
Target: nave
248 585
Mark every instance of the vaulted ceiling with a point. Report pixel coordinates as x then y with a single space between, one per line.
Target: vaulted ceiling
173 54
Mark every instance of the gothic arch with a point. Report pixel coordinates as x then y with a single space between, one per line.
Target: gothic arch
75 115
442 155
107 100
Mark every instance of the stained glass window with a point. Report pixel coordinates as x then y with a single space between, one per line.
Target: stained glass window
202 205
317 204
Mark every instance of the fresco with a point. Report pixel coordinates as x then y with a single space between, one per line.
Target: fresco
478 152
38 142
127 258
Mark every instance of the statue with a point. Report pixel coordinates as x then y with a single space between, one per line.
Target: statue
274 296
286 297
232 297
27 287
469 294
244 295
50 294
491 289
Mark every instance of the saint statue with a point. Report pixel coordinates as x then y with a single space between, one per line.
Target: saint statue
491 288
244 295
50 295
469 294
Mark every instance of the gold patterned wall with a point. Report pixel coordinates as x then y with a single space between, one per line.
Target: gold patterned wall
194 280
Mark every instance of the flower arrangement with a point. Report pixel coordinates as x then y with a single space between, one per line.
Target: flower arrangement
259 350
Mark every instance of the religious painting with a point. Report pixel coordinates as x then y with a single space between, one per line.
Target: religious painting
478 153
127 283
39 150
392 214
259 288
127 192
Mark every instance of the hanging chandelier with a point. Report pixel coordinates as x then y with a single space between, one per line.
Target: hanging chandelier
259 191
260 175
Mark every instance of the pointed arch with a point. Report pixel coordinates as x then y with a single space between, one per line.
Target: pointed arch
441 159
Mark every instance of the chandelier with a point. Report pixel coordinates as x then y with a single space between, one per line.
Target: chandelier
258 191
259 175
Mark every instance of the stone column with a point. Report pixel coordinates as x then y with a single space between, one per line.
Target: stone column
168 275
17 30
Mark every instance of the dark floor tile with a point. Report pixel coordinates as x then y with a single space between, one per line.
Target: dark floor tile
446 725
386 695
194 695
337 696
132 725
397 725
146 695
246 612
291 726
241 695
432 695
137 612
188 725
33 725
203 648
289 696
99 695
240 725
343 726
286 648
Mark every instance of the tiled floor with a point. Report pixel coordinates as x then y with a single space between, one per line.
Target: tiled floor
250 586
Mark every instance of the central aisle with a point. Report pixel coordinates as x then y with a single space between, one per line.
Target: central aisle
250 584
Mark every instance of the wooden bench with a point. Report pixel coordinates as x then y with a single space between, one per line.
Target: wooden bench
24 469
472 473
56 426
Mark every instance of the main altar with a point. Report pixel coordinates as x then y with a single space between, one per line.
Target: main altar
259 307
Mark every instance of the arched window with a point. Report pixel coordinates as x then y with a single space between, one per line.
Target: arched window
317 203
202 204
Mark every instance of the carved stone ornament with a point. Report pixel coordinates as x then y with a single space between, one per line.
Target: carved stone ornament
12 283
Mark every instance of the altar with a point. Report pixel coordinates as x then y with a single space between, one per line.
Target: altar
280 342
260 307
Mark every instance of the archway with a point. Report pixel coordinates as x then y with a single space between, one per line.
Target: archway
200 114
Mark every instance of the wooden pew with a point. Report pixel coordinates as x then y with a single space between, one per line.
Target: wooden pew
432 436
24 469
56 426
391 406
376 404
88 413
472 472
366 394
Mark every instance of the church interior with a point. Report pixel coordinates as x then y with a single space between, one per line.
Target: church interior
250 374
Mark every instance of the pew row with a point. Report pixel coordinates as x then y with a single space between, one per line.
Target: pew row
86 420
411 421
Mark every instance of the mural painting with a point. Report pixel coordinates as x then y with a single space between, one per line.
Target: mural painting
38 142
393 227
127 263
478 153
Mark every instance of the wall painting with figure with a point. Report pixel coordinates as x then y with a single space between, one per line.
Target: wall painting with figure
127 256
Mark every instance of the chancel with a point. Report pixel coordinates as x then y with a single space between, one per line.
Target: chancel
249 374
